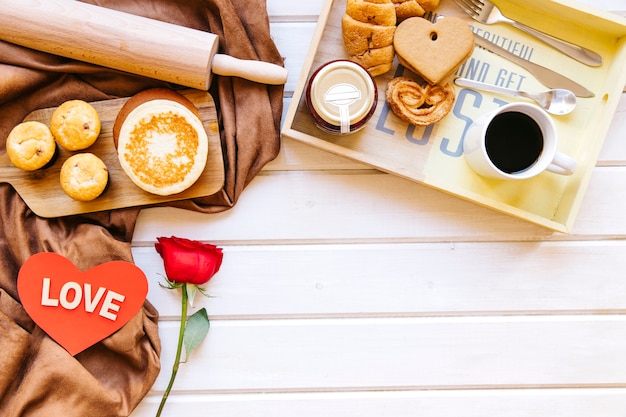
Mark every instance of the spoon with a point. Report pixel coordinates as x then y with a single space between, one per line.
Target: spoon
556 101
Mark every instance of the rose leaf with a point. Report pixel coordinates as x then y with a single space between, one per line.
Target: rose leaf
196 330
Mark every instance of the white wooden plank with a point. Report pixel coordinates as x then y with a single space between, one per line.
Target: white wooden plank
364 324
293 10
330 207
401 354
405 280
475 403
292 40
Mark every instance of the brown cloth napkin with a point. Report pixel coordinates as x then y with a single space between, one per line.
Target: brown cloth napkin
37 376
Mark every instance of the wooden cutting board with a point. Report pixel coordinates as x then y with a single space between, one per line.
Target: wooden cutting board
41 190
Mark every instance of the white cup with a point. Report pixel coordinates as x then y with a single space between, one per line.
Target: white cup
516 141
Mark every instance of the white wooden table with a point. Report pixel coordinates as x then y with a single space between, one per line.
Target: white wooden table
346 291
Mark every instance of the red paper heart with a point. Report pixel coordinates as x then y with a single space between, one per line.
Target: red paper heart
79 309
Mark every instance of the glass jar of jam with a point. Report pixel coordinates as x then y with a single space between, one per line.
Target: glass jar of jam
341 97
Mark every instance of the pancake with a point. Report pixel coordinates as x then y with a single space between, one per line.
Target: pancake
161 142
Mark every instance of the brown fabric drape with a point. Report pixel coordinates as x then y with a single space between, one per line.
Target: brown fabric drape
37 377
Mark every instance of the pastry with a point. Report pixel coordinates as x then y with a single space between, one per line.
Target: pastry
376 61
161 142
359 37
419 104
428 5
376 12
434 51
75 125
407 8
30 145
84 176
368 28
413 8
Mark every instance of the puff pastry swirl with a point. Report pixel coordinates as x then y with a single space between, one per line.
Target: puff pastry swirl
419 104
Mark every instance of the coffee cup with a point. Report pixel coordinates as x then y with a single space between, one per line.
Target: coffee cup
516 141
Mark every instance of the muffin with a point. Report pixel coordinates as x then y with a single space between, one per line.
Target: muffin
75 125
30 145
161 142
84 176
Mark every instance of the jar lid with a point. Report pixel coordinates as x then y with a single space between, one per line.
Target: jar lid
342 93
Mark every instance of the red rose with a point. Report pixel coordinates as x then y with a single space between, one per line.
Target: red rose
189 261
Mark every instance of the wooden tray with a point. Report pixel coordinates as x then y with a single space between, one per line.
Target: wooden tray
433 155
42 191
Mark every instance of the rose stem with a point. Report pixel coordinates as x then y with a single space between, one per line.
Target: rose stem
181 333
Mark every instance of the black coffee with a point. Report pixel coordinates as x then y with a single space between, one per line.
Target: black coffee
514 141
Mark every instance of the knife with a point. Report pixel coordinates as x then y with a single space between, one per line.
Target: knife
544 75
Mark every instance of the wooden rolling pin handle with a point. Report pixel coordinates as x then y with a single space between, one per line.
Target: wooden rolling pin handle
258 71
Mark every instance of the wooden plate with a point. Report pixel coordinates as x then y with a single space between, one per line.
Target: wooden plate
42 191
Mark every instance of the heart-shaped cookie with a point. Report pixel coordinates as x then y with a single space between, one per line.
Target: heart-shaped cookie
75 308
433 50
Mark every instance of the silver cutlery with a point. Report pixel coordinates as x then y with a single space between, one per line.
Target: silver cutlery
484 11
546 76
556 101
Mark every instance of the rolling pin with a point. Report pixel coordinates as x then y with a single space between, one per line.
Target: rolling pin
126 42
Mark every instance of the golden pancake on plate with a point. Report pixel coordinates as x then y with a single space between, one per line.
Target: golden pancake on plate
161 142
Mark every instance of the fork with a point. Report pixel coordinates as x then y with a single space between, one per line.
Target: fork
484 11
